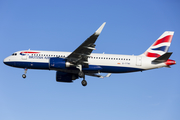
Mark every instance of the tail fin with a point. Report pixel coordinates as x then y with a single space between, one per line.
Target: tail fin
160 46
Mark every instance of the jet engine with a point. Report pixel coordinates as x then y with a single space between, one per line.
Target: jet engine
65 77
58 63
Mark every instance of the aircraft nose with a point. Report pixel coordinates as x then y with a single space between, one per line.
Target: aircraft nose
6 60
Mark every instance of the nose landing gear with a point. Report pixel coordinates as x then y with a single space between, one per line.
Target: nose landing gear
24 75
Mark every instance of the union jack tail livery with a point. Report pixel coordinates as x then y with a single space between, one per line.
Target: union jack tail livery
160 46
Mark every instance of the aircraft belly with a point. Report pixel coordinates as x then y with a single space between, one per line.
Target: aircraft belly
118 69
29 65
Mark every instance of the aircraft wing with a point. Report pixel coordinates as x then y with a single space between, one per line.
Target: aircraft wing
81 54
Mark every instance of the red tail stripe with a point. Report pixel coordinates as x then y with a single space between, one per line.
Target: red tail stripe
170 62
148 54
164 39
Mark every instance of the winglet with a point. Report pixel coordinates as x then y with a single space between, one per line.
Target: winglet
98 31
108 75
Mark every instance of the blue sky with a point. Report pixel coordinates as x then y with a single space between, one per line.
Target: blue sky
132 26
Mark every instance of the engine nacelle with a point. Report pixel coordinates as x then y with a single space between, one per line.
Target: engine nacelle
65 77
58 63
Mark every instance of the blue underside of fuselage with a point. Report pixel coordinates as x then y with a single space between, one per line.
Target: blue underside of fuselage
45 66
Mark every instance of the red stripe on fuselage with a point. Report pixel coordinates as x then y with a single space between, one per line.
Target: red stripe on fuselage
163 40
30 52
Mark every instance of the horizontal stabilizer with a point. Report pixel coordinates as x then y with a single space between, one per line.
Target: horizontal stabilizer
163 58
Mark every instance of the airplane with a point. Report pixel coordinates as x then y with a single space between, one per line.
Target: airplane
70 66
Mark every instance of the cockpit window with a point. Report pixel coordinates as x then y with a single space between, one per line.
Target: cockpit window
14 54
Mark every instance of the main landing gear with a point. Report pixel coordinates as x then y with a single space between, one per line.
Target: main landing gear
25 71
84 82
82 75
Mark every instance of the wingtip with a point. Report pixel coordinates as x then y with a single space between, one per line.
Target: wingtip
98 31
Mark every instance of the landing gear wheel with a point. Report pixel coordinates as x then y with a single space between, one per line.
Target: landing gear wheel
81 74
24 75
83 82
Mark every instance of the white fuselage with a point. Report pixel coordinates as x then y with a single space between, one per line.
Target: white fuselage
110 63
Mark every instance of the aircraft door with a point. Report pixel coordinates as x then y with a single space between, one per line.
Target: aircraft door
24 57
138 60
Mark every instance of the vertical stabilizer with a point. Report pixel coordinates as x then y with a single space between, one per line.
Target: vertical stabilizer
160 46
